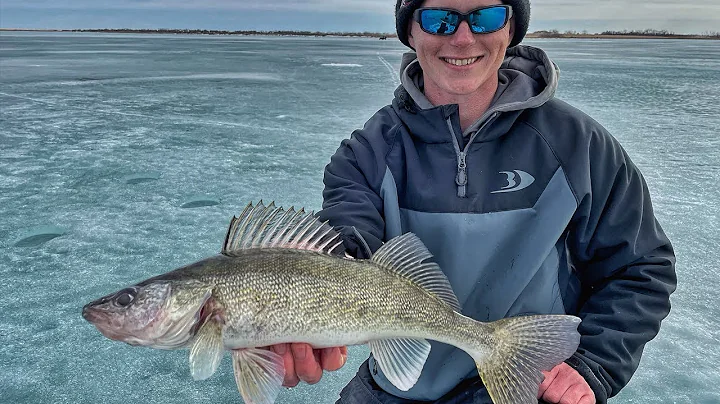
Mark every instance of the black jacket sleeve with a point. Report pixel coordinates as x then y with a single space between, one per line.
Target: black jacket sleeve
626 267
351 198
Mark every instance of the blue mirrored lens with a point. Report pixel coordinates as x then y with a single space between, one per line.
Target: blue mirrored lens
488 20
445 22
439 21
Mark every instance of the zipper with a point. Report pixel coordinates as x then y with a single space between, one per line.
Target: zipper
461 178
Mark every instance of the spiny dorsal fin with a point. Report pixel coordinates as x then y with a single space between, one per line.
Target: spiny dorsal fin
404 255
270 227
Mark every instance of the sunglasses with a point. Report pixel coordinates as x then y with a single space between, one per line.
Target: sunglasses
445 21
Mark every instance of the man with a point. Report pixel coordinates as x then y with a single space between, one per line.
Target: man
528 205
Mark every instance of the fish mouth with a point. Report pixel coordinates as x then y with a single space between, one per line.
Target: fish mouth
102 321
93 314
89 314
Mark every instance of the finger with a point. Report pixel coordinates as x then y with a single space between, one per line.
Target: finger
332 358
572 395
555 392
291 379
306 366
578 390
587 399
559 385
549 378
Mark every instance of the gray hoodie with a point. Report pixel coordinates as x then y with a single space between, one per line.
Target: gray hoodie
533 209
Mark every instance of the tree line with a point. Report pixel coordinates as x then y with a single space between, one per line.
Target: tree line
554 33
225 32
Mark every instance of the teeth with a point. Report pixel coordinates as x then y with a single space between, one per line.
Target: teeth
460 62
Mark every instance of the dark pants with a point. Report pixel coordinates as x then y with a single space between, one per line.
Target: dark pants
362 389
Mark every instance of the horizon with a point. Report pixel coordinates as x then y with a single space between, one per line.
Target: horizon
698 18
647 32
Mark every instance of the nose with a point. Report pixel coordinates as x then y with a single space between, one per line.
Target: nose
90 313
86 312
463 36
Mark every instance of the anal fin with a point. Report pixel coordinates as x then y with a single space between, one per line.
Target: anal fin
259 374
206 351
401 360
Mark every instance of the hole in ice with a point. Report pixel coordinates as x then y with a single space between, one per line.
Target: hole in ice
200 201
141 177
38 235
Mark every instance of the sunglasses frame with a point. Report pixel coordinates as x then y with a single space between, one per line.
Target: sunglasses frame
463 17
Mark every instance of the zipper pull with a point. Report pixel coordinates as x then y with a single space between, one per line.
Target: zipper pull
461 177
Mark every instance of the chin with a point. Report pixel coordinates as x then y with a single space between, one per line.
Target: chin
462 89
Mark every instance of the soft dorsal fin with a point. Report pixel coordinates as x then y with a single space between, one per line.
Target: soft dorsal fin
404 255
270 227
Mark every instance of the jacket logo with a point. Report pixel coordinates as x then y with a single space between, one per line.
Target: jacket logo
517 180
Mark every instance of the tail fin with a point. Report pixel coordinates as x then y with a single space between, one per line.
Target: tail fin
522 348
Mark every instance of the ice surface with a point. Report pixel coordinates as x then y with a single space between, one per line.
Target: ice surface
109 146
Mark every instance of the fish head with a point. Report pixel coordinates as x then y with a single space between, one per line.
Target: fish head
157 314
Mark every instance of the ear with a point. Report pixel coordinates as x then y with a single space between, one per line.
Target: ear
411 39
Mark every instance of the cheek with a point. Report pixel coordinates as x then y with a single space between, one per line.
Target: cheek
149 317
141 315
428 53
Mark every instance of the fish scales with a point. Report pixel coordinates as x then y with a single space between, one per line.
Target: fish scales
295 293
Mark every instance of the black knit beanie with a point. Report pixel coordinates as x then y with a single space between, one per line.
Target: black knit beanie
404 10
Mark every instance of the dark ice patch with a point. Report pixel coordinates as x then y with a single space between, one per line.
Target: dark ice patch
141 177
38 235
200 202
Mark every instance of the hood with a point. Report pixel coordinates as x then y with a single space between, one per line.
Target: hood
527 79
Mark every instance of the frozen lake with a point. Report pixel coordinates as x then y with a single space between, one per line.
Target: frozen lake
131 153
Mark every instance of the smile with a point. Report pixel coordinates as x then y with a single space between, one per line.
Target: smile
460 62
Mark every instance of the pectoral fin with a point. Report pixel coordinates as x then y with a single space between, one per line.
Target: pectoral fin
206 351
259 374
401 360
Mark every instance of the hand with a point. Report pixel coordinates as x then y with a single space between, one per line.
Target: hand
564 385
302 362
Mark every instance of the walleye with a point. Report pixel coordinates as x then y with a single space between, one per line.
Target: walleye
279 279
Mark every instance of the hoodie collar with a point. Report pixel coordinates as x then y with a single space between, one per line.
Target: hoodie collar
527 78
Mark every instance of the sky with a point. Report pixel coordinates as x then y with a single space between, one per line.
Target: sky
679 16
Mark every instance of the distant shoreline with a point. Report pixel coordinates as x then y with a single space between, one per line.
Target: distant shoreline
538 34
207 32
648 34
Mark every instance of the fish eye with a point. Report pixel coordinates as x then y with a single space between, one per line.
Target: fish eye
124 297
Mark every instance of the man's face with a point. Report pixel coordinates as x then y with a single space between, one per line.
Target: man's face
446 80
